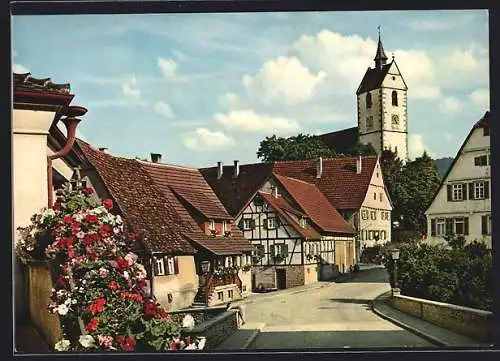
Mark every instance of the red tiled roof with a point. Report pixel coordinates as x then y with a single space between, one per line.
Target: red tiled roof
234 244
140 201
342 186
315 205
280 205
190 185
235 193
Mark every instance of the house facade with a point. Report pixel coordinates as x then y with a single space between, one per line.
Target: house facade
39 107
462 205
188 237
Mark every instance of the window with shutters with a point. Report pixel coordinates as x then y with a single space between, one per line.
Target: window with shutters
457 194
373 215
479 190
440 227
461 226
481 161
486 131
261 250
486 225
171 265
248 224
364 214
159 267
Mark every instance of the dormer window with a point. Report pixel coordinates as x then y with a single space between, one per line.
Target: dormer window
303 222
211 225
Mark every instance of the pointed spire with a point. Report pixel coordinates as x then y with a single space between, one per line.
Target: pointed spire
380 57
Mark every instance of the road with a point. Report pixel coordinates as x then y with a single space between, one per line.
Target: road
336 316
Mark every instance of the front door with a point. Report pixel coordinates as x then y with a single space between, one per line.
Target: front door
280 279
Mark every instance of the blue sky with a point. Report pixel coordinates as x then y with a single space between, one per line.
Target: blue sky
202 88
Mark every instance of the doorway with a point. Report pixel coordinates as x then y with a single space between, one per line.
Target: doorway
281 279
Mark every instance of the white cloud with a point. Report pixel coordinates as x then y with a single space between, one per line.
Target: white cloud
164 109
20 69
203 139
250 121
462 61
480 97
130 89
450 105
424 92
285 79
416 146
130 103
431 25
167 67
229 100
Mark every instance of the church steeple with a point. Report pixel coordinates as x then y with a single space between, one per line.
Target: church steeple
380 57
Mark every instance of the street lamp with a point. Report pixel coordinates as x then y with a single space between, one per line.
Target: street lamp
395 257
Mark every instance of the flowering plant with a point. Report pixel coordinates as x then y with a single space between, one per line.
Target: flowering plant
100 287
226 271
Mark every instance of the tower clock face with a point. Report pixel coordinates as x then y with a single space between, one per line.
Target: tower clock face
395 119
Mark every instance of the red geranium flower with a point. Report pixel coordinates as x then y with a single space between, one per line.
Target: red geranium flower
107 203
88 191
105 230
122 263
90 238
163 314
92 325
68 219
126 343
113 285
91 218
97 306
150 309
68 241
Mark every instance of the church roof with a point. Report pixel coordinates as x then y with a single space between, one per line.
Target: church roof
373 78
341 141
380 55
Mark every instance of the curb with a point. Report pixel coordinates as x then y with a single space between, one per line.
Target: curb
417 332
250 340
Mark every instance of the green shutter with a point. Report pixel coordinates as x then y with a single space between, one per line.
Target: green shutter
486 190
466 226
433 227
176 266
252 223
240 224
450 191
285 250
471 191
484 224
264 223
271 250
449 225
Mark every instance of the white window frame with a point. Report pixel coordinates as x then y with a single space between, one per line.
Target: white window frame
160 267
224 226
271 223
479 190
440 223
488 226
457 193
247 224
211 225
364 214
170 265
373 215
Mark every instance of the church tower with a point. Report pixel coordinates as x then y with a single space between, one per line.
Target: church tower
382 106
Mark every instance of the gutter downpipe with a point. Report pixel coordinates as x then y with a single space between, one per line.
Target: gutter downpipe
71 123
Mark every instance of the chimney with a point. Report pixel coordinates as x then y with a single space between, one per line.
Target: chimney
236 168
103 149
219 170
156 157
319 167
358 165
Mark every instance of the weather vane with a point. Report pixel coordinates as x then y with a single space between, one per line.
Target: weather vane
378 27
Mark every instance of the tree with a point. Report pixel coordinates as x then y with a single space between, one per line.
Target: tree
299 147
394 179
361 149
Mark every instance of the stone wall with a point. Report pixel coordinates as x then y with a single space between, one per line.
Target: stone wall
295 275
216 329
200 315
467 321
39 292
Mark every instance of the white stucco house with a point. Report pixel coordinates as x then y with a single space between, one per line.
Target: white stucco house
462 204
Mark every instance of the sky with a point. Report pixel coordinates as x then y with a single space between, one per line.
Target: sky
203 88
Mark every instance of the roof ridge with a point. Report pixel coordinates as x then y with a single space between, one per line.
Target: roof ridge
165 165
294 179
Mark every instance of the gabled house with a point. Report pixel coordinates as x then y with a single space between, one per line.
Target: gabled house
462 204
354 186
188 236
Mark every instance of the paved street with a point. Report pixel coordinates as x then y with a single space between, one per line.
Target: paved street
337 315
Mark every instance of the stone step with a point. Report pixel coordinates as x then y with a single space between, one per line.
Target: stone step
242 338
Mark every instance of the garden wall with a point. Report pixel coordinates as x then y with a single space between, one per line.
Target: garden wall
467 321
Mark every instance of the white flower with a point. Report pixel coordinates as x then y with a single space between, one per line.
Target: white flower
80 235
116 230
73 301
103 272
62 345
201 343
87 341
99 210
131 258
62 309
188 321
126 275
191 346
48 213
118 219
78 217
68 301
